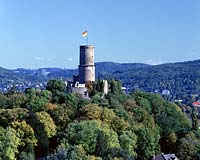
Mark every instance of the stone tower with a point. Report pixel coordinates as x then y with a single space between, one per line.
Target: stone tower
86 65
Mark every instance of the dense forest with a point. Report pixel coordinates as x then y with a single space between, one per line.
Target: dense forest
55 125
180 80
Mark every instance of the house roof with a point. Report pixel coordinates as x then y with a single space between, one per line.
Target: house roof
170 157
165 157
196 103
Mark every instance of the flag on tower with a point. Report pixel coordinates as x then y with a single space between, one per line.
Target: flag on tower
84 34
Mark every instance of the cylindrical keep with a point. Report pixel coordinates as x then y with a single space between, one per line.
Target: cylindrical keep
86 66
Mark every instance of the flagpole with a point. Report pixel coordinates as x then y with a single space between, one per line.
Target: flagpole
86 39
85 34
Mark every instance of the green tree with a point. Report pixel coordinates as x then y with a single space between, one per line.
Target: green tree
58 89
44 127
194 120
97 99
56 86
94 158
151 102
85 133
128 141
147 144
7 116
36 100
108 115
186 146
9 143
115 87
168 142
17 100
72 100
26 135
62 114
107 141
77 152
99 86
143 102
92 111
4 101
74 152
95 137
172 119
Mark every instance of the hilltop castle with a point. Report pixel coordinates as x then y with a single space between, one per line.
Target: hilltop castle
86 71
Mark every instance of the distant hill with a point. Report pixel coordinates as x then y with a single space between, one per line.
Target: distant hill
182 79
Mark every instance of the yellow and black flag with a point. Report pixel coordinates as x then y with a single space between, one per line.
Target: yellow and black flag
85 33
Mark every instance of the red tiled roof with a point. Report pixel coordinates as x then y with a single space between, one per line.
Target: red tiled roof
196 103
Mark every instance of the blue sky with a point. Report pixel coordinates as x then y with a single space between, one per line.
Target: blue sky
47 33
